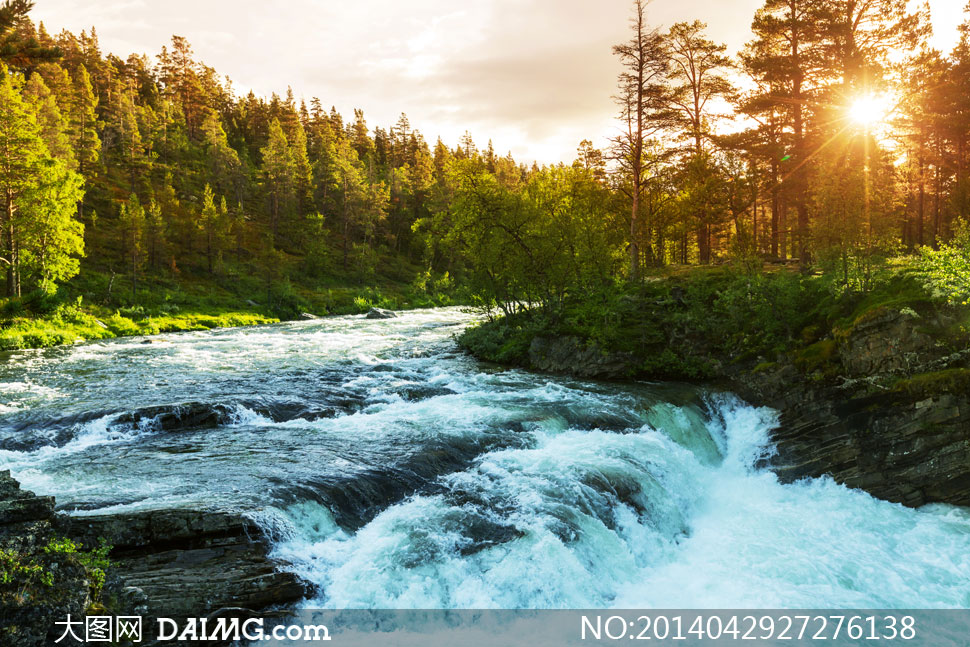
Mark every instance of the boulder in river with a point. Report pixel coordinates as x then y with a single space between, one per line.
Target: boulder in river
380 313
306 316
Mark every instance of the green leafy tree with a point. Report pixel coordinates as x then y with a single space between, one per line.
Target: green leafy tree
53 127
22 156
53 240
131 218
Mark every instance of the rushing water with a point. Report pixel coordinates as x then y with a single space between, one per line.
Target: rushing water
395 472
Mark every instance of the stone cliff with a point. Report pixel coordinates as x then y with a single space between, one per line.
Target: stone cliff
882 406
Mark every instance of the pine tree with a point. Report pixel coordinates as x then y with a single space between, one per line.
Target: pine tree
22 153
180 78
697 72
302 170
131 217
53 128
130 143
359 138
154 234
640 97
83 121
222 159
19 45
790 56
210 223
278 176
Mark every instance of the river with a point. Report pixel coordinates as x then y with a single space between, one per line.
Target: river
395 472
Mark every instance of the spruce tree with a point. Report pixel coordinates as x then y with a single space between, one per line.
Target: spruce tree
22 154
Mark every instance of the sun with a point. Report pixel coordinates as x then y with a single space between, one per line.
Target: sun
869 110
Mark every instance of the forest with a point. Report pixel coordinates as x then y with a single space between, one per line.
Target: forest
836 143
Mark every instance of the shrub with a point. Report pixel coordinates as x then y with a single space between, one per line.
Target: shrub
946 272
94 561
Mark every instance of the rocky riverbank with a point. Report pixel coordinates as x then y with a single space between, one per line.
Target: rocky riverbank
887 411
882 404
172 563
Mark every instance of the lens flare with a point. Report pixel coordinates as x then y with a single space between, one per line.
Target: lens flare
869 110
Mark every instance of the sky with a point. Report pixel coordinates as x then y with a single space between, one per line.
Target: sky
534 76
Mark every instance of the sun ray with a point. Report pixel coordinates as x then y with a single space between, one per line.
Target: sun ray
869 110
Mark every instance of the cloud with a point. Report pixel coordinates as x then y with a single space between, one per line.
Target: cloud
535 76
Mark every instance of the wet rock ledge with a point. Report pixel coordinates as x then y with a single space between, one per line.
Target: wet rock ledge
171 563
883 406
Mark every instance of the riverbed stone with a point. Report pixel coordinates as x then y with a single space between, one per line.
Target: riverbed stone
29 608
173 563
380 313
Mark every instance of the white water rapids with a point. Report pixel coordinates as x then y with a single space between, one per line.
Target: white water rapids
394 472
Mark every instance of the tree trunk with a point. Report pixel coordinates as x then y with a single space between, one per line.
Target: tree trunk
13 289
703 244
634 248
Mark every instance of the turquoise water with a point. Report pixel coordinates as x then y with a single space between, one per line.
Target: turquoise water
392 471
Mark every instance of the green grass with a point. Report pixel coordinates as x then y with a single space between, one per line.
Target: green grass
93 307
689 323
22 333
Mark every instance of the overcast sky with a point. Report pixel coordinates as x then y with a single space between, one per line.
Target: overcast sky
535 76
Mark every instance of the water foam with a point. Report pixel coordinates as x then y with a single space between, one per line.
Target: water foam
676 530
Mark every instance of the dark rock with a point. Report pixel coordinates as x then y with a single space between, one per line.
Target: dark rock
20 506
190 563
187 415
29 607
910 446
889 341
572 356
172 563
378 313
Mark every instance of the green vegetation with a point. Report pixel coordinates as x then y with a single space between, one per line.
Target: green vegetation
94 561
164 201
946 271
707 322
954 380
27 576
79 310
20 574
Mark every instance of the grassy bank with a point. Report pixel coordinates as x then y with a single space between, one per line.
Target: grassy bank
96 306
703 323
